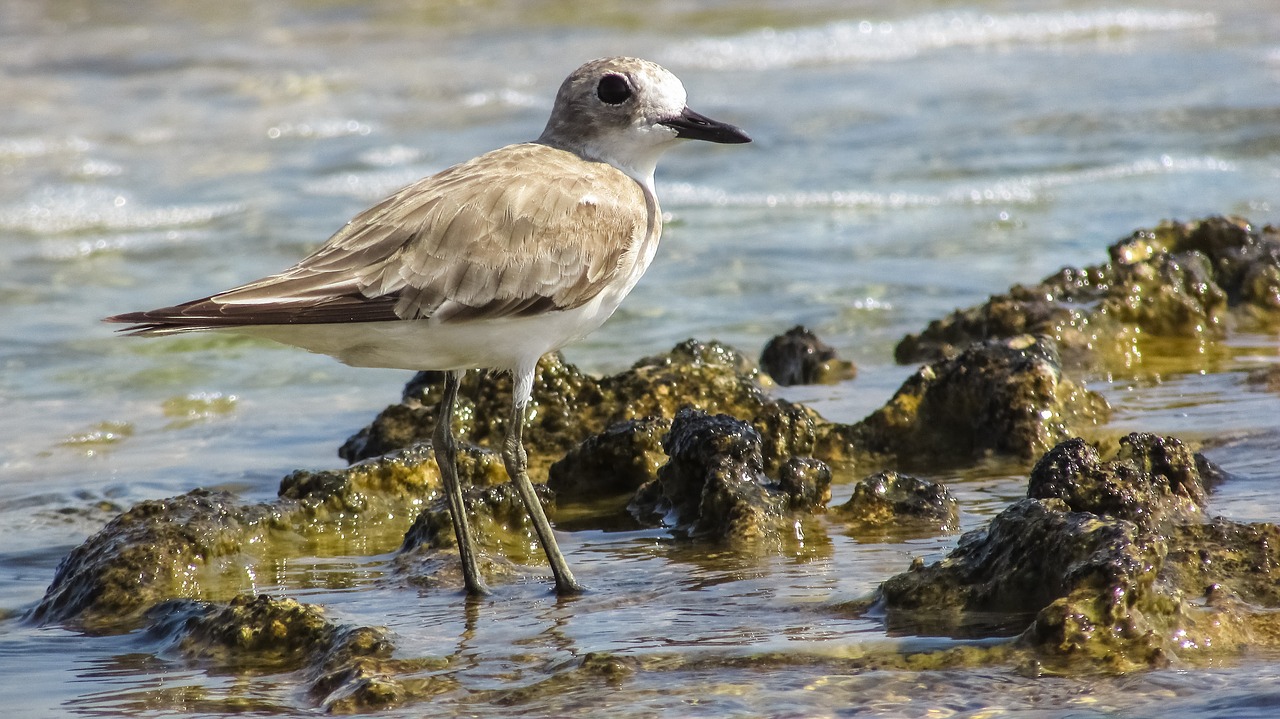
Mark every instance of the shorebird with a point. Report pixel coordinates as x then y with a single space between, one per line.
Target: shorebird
486 265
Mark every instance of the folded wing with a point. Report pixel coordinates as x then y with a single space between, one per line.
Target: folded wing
518 231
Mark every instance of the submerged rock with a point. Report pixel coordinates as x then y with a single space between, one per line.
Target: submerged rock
346 669
799 357
900 504
714 485
1176 280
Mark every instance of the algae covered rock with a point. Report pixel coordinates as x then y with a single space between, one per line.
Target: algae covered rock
1111 570
1029 555
1177 280
799 357
204 544
155 551
1226 556
345 668
1151 479
901 504
714 486
1000 396
617 461
568 406
499 522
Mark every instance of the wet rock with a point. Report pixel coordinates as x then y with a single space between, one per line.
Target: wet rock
714 486
791 430
387 484
482 411
617 461
569 406
1226 557
499 523
1038 557
900 502
149 554
1176 280
799 357
1151 479
1006 397
807 481
200 543
1134 582
347 668
1000 396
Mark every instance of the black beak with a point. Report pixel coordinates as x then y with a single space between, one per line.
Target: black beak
693 126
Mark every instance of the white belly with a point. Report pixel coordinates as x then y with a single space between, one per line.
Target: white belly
504 343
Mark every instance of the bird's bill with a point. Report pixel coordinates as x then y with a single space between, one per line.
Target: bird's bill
695 126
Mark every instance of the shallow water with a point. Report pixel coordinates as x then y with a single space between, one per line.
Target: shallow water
908 160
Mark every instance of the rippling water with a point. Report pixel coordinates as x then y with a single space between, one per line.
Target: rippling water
909 158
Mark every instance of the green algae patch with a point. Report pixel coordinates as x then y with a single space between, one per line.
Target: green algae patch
198 407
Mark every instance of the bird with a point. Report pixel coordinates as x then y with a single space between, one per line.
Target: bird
486 265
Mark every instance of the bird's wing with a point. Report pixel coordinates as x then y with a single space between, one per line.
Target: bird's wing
517 231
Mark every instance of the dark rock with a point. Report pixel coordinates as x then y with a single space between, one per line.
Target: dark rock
1226 556
799 357
788 430
893 501
1090 590
1044 571
807 481
714 486
617 461
1151 479
1030 554
1000 396
554 419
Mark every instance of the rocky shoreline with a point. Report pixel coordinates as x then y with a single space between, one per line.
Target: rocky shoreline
1110 563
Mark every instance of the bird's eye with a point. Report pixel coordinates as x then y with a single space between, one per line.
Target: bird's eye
613 89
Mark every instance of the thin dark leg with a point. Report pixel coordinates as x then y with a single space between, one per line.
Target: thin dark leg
517 461
447 459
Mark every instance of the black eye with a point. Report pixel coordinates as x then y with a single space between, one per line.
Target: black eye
613 89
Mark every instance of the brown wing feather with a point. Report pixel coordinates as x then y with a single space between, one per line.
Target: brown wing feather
520 230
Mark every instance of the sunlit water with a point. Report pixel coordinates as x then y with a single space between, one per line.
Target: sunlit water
909 158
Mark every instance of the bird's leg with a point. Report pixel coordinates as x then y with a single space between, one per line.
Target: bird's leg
517 462
447 459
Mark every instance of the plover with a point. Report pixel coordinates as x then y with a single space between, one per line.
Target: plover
487 265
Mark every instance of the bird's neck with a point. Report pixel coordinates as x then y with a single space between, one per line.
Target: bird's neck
637 163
